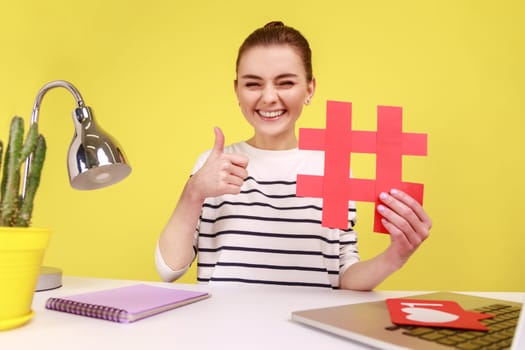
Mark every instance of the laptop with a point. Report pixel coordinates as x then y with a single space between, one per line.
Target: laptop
369 323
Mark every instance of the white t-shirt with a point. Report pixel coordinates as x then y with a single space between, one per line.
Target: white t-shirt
266 234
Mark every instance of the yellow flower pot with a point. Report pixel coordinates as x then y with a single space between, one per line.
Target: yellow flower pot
21 253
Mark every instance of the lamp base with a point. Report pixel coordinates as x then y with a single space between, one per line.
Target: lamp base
49 278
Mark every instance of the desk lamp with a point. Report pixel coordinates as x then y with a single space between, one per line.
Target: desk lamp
95 160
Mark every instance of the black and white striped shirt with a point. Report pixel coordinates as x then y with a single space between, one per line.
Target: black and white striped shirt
268 235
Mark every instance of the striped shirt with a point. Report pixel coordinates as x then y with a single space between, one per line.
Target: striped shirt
268 235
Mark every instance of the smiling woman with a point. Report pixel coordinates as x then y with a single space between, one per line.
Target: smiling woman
239 213
272 96
274 92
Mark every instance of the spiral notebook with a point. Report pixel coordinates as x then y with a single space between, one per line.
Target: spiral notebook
125 304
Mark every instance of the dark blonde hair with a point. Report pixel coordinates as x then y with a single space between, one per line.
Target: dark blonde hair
277 33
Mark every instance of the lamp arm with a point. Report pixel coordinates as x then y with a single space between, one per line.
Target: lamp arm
53 84
36 109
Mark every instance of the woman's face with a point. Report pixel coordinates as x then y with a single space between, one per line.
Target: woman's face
272 89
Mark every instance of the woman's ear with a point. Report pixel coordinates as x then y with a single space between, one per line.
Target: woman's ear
235 84
311 89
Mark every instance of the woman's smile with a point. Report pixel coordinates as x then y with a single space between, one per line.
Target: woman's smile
271 115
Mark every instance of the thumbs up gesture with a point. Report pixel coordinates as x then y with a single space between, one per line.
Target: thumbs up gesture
222 173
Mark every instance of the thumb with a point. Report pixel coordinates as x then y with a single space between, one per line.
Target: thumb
218 147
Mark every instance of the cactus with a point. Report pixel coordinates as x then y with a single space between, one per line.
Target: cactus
15 209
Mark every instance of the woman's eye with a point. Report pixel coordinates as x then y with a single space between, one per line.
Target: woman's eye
251 84
286 83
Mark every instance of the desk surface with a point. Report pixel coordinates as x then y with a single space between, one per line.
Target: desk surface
235 317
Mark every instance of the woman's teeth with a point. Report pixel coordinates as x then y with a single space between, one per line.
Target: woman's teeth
273 114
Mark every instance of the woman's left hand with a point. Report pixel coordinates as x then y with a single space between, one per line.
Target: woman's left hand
406 221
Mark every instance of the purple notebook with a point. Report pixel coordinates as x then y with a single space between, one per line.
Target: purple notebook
125 304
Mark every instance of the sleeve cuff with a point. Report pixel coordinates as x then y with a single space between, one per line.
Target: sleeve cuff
167 273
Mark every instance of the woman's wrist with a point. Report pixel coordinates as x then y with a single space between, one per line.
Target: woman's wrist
192 193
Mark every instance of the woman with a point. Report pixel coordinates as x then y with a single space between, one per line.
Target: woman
239 211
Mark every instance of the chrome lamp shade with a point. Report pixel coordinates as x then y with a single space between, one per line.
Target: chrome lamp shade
95 159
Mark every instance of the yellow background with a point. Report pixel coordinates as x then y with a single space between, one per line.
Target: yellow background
158 75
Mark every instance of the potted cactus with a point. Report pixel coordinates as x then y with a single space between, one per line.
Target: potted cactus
21 247
16 208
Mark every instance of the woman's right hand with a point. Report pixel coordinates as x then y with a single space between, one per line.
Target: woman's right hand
222 173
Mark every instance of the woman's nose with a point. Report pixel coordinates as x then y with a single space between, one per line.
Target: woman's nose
269 95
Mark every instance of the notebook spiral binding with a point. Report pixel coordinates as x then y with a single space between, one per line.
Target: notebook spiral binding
83 309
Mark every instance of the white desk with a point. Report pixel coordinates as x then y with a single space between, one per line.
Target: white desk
235 317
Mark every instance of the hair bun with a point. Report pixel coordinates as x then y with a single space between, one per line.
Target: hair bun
274 24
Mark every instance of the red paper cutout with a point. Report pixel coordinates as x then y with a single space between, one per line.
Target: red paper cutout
434 313
338 141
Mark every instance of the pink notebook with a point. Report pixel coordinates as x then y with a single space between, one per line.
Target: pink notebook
125 304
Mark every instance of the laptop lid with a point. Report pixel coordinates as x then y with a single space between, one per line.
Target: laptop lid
369 323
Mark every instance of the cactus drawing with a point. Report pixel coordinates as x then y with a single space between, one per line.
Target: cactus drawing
15 207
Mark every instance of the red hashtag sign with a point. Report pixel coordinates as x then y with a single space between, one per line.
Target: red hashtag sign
338 141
